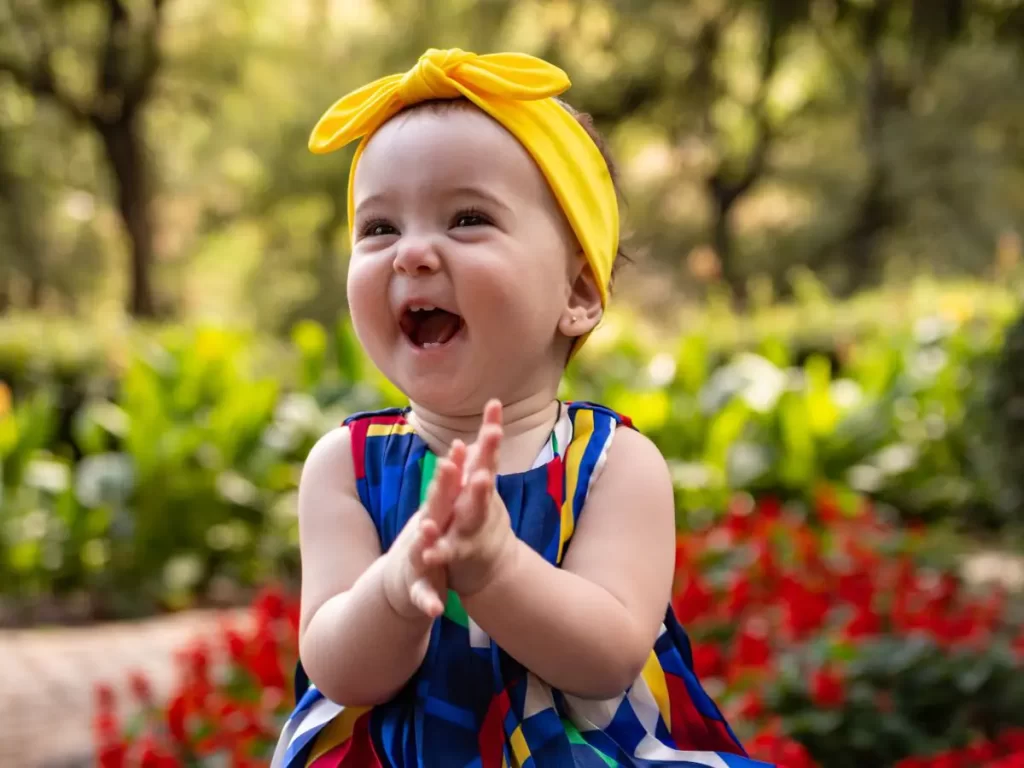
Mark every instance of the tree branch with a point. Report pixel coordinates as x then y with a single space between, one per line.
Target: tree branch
39 81
109 78
138 90
728 190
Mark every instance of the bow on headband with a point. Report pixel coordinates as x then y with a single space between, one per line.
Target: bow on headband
517 91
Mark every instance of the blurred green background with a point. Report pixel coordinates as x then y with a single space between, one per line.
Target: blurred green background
825 200
824 207
825 210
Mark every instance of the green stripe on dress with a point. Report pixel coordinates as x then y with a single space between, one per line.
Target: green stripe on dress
453 610
575 737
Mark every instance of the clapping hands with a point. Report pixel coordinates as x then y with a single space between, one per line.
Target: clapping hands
461 536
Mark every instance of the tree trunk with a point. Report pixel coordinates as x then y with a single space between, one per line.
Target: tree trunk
872 215
722 241
127 156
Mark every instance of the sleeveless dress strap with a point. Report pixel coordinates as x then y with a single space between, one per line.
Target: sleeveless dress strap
593 429
384 449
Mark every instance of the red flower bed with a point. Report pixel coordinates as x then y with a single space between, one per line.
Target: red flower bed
228 707
826 643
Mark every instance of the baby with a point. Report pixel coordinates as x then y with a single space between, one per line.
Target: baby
486 573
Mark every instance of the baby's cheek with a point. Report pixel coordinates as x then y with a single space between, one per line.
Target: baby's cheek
368 305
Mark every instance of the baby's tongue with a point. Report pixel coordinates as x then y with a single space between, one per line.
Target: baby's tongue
437 327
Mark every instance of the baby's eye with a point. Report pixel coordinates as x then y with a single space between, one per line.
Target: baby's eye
470 219
378 228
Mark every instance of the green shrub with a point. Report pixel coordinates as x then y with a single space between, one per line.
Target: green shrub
173 472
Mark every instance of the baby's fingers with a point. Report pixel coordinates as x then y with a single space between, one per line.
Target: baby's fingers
426 598
472 515
427 535
440 553
443 492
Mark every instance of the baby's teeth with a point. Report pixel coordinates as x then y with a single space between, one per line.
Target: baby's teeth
431 344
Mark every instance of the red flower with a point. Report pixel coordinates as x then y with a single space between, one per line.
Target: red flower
769 508
105 699
111 756
235 644
805 609
980 753
140 687
152 756
105 727
738 515
707 660
1012 740
827 689
865 622
694 601
781 751
265 664
752 648
766 562
751 706
270 604
177 712
739 597
856 587
827 505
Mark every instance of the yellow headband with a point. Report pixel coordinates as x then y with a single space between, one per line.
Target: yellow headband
517 91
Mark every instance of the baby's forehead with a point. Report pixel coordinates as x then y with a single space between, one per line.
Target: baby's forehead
446 140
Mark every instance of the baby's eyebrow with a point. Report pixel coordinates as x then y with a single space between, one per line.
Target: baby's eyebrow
371 200
472 191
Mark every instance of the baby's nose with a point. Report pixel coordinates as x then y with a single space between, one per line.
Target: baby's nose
416 256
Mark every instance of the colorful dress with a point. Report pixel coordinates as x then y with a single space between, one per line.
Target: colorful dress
470 705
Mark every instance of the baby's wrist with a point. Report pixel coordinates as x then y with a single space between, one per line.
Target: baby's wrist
491 572
396 591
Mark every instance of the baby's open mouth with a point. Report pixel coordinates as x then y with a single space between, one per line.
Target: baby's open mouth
430 326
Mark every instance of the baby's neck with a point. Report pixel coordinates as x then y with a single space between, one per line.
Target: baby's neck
527 425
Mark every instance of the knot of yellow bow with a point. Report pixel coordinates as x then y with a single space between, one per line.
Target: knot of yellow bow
517 91
433 77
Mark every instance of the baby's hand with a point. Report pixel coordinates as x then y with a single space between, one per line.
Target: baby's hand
474 547
413 587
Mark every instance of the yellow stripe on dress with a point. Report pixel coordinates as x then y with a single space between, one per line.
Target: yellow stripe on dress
383 430
583 428
520 749
654 676
336 732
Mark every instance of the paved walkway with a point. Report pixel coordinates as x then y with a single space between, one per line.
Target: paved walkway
47 679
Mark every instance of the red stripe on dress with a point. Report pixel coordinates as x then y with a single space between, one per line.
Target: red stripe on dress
491 738
692 730
355 752
556 482
357 432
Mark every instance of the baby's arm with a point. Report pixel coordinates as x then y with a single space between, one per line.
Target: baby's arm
357 647
589 627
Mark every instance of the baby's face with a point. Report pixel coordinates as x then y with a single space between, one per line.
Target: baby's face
462 261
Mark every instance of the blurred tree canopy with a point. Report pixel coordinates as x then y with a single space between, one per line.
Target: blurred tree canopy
153 152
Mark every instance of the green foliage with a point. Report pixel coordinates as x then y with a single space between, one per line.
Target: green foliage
166 466
1005 406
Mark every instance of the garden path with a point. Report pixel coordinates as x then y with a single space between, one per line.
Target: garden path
48 674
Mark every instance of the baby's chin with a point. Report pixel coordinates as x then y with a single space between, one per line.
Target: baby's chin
440 391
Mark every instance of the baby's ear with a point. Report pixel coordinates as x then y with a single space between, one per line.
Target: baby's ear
583 308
